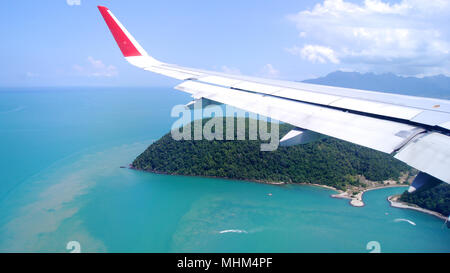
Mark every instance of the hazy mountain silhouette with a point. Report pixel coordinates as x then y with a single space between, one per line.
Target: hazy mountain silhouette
434 86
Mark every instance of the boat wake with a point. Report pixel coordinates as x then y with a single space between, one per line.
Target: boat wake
404 220
233 231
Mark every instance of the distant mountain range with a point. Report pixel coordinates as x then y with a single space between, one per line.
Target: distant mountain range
435 86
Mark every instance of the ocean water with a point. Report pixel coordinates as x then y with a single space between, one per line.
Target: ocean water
60 180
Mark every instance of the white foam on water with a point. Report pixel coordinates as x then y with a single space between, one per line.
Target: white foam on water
233 231
404 220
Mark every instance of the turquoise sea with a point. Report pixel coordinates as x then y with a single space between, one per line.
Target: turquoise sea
60 180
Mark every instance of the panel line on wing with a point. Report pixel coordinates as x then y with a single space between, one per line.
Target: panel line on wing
384 111
382 135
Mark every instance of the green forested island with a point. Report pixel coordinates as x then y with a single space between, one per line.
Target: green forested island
328 161
435 199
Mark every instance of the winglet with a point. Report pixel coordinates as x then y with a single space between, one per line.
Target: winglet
127 44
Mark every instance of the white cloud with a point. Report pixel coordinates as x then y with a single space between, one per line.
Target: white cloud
269 71
231 70
31 75
78 68
73 2
315 53
411 37
95 68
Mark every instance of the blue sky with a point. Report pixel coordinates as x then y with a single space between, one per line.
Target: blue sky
52 43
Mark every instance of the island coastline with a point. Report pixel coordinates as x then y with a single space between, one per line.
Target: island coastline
396 203
354 200
357 200
276 183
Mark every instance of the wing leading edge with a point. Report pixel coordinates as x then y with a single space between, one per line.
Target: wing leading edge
412 129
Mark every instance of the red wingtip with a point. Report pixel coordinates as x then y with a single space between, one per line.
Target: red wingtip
122 40
102 8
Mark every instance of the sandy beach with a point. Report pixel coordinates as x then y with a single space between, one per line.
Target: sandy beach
357 200
393 200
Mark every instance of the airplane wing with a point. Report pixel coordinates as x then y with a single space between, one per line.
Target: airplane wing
415 130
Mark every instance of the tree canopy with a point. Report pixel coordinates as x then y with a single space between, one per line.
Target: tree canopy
328 161
435 199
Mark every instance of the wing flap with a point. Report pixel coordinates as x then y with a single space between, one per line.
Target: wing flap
377 108
432 118
429 153
445 125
